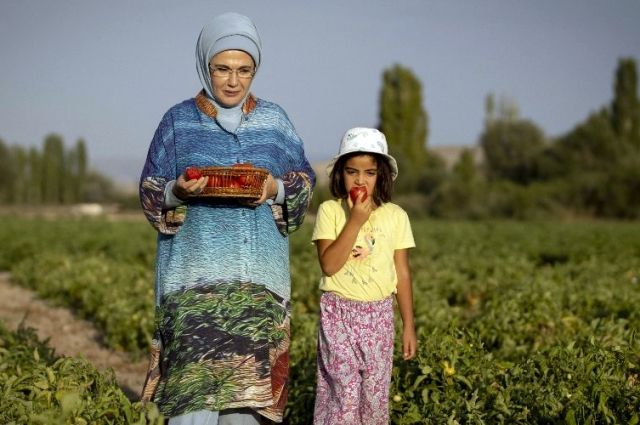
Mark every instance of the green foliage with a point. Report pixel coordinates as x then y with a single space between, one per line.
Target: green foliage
625 107
53 165
5 172
589 171
456 380
102 270
591 145
434 174
54 176
405 124
35 177
19 187
530 321
510 150
81 165
117 297
461 195
39 388
518 322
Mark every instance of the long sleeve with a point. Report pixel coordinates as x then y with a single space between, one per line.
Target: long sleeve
298 186
160 169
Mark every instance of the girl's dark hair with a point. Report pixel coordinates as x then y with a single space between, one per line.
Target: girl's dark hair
384 181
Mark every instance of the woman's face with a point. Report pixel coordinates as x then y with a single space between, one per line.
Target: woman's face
230 89
361 170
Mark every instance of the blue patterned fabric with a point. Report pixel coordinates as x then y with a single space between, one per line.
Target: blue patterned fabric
217 242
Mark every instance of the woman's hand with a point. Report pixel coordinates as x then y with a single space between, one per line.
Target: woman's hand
185 188
269 190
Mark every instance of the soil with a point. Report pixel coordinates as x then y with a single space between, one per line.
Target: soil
67 334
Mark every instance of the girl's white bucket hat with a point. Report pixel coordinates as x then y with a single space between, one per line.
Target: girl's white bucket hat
363 139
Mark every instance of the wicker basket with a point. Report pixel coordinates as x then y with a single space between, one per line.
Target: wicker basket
233 182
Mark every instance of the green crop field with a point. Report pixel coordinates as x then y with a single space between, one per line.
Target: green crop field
518 322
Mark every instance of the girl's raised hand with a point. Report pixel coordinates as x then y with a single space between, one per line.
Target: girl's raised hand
360 210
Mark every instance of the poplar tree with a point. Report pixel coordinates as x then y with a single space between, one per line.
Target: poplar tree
69 181
20 183
625 107
81 169
6 173
53 171
405 123
35 177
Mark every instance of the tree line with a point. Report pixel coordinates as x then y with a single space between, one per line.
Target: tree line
591 171
51 175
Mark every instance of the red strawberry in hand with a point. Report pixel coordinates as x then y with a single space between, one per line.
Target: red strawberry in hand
192 173
355 192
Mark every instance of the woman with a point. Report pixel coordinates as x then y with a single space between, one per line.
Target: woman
222 272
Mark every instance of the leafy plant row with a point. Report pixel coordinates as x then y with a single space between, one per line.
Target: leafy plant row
517 322
103 270
38 387
116 296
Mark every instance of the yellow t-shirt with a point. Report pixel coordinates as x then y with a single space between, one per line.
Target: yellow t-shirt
370 273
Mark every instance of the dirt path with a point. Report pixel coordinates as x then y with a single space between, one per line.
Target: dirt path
67 334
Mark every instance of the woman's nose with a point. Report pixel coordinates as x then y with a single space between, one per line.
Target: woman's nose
233 79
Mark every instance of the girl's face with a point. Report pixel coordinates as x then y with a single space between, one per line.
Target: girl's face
361 170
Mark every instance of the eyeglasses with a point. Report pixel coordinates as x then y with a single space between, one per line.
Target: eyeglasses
225 72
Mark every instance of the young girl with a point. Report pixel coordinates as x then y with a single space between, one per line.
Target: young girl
363 252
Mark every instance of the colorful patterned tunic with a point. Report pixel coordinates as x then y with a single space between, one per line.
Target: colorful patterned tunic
222 271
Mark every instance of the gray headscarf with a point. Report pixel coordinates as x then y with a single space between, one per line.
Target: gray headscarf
229 31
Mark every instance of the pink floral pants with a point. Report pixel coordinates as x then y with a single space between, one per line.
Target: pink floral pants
355 355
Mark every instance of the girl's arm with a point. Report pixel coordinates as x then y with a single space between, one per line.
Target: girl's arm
404 296
333 254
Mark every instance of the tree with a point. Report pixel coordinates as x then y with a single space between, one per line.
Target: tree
83 165
20 178
511 145
405 124
625 107
81 170
35 173
590 145
489 110
462 194
54 175
6 173
69 182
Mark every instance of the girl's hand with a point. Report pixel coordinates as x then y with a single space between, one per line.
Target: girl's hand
185 188
409 343
360 210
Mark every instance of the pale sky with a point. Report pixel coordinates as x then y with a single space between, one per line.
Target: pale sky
107 71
